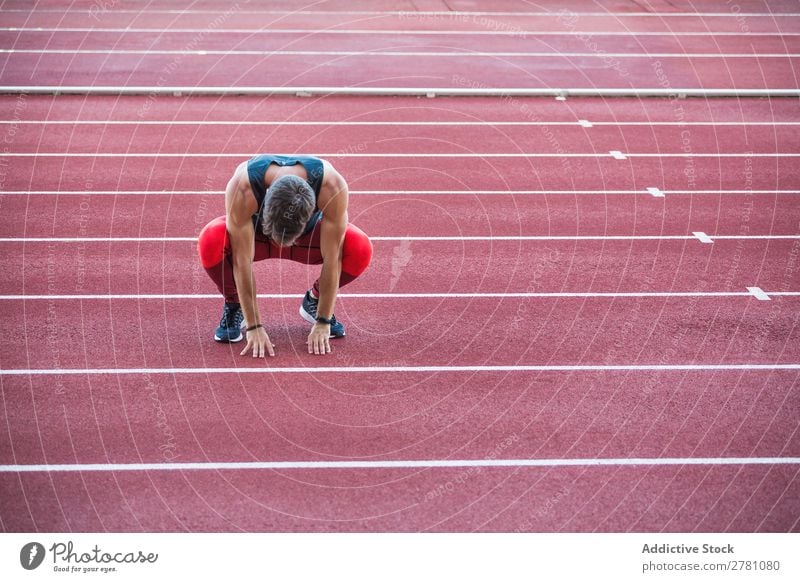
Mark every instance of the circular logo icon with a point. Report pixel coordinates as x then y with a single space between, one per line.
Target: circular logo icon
31 555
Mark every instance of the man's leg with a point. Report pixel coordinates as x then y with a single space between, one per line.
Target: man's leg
356 256
213 247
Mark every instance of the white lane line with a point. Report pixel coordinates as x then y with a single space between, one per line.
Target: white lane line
515 32
399 464
311 123
703 237
615 154
193 239
489 124
560 93
655 192
404 54
396 369
412 15
389 192
527 295
758 293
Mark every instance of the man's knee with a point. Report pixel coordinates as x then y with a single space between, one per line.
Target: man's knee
357 251
211 242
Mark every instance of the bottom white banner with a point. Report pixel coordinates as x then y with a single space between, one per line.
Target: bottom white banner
390 557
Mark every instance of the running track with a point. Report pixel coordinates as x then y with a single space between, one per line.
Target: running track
582 315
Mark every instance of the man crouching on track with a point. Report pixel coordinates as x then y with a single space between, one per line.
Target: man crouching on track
283 207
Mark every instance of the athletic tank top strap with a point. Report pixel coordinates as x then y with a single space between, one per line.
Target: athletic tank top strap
257 168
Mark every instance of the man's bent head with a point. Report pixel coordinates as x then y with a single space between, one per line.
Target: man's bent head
287 209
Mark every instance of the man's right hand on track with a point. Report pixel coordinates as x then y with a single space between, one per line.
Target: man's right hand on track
258 340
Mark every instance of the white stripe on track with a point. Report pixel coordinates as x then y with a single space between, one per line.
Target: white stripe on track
541 294
559 93
402 464
416 238
403 155
400 32
399 123
397 369
385 192
378 53
412 15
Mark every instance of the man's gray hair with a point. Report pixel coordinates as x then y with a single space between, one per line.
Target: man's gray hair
287 208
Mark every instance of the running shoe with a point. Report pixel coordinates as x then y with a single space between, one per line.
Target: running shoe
230 326
308 311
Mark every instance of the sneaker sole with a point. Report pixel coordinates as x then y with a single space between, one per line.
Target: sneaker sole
307 316
228 341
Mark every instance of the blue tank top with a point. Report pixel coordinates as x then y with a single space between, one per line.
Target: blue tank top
257 168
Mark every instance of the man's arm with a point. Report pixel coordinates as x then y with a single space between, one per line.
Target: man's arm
332 230
239 210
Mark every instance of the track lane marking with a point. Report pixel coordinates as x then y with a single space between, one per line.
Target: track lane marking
399 464
396 369
401 32
488 124
559 93
384 192
419 14
455 295
381 53
614 153
758 293
416 238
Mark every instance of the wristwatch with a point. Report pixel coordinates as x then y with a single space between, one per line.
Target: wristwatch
324 320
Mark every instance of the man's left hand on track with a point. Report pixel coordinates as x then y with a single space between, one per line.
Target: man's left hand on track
319 339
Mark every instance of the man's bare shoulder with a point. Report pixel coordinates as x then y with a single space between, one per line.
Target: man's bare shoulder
334 188
239 200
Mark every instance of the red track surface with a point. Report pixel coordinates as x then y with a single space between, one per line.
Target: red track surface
149 417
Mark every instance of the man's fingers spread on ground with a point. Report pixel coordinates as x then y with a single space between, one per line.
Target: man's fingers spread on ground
271 349
244 351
